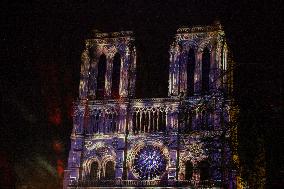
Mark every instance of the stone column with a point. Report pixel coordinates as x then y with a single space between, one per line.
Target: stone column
174 70
123 119
132 74
73 171
124 75
130 123
172 167
168 119
119 164
171 74
198 73
92 81
213 73
108 74
84 76
183 72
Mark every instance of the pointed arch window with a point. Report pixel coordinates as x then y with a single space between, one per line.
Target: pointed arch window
101 77
116 76
92 72
205 70
190 72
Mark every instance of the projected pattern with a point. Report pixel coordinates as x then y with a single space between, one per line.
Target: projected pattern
149 163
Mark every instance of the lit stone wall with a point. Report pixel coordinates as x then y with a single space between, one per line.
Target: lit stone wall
172 133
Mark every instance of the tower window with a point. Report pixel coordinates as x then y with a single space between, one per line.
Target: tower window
190 72
116 76
101 77
205 70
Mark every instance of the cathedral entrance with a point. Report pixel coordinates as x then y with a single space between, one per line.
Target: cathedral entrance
188 170
109 171
94 173
204 169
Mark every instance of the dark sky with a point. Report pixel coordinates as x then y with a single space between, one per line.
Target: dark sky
41 44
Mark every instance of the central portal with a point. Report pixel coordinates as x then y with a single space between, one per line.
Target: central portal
150 163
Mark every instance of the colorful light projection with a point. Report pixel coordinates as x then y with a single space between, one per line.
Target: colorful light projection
108 66
144 134
149 163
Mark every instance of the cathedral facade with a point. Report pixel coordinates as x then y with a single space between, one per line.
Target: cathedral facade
182 140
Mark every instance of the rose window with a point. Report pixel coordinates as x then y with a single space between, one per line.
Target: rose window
149 163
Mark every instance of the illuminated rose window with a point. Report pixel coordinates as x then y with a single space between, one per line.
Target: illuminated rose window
149 163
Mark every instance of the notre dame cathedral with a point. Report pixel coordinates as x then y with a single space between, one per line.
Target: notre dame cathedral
185 140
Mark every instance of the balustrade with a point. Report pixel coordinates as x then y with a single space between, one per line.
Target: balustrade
133 183
145 116
147 120
101 121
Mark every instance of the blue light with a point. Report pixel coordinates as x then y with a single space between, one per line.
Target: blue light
149 163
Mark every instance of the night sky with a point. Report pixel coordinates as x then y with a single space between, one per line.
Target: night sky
41 43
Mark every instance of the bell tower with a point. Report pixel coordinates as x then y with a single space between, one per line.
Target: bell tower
108 66
198 59
107 81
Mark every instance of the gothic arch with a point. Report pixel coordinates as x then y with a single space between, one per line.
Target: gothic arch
190 45
108 167
101 77
207 43
116 76
83 86
109 170
92 52
87 166
204 170
191 62
184 172
94 170
206 62
188 170
85 58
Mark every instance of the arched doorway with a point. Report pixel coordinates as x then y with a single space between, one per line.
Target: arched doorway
188 170
94 171
109 171
204 169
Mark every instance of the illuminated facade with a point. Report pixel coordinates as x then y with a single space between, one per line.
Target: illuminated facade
181 140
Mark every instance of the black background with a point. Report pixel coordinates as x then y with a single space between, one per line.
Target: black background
41 43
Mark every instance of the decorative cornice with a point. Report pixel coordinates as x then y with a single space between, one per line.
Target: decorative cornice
99 35
188 100
100 38
199 29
